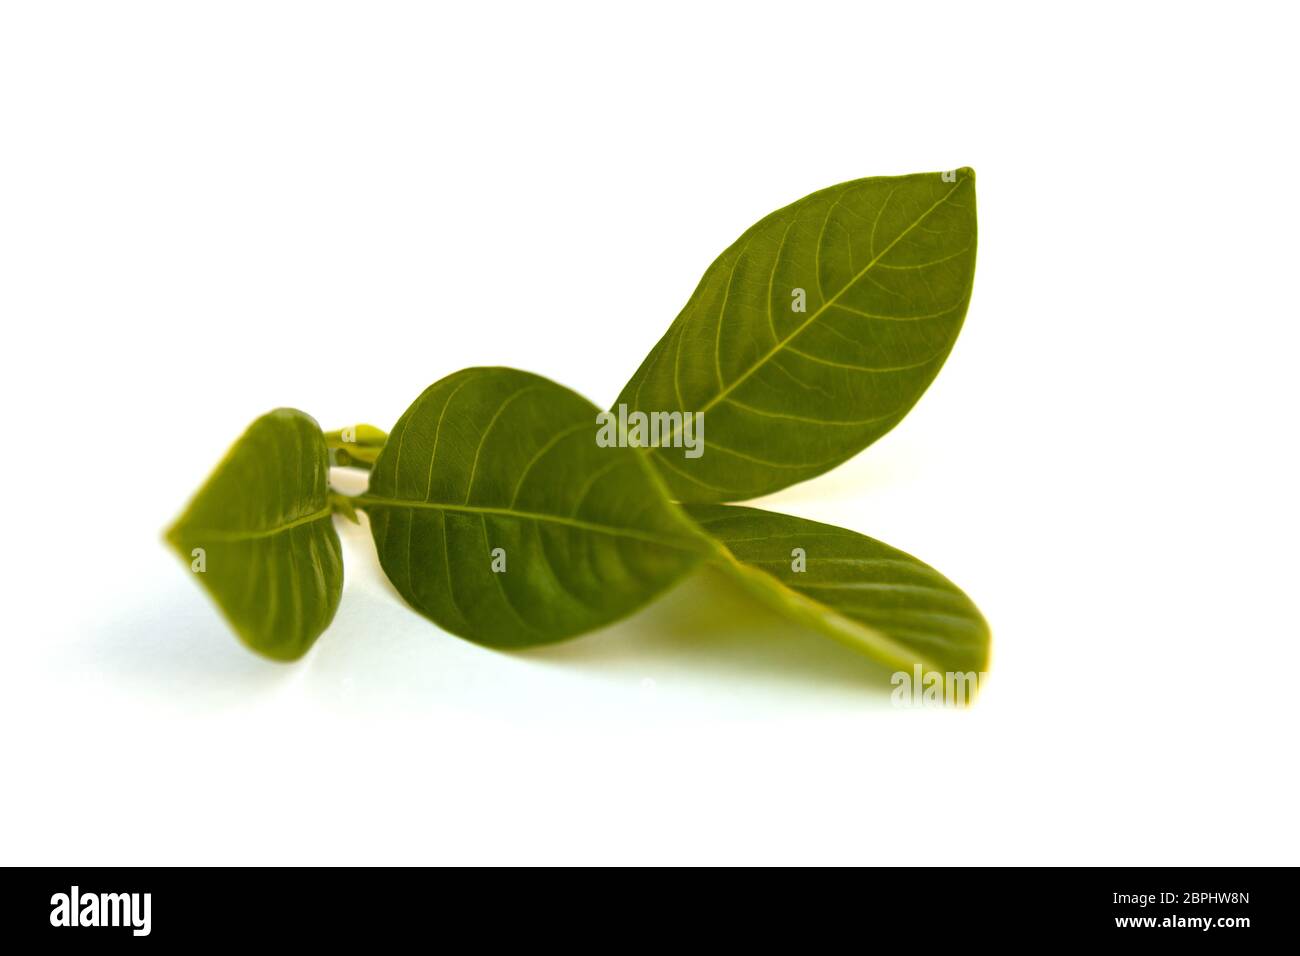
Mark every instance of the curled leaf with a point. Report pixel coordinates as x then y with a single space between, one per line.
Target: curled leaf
259 538
874 598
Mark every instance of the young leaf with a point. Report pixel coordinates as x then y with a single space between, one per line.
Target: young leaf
355 447
497 515
866 594
259 538
814 333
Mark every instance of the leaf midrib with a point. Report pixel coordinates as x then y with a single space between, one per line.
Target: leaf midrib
681 544
221 535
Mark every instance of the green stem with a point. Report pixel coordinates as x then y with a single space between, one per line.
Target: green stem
353 456
342 504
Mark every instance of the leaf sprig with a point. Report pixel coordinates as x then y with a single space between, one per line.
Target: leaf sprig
499 513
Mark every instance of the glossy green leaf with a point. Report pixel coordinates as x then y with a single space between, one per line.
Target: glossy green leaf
497 515
259 537
866 594
882 269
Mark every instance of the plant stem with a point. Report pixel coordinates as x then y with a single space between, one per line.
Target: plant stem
342 504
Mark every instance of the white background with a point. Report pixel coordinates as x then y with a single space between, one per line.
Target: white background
207 211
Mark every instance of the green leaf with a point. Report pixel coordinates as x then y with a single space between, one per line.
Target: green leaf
259 538
885 266
866 594
494 458
362 436
355 447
